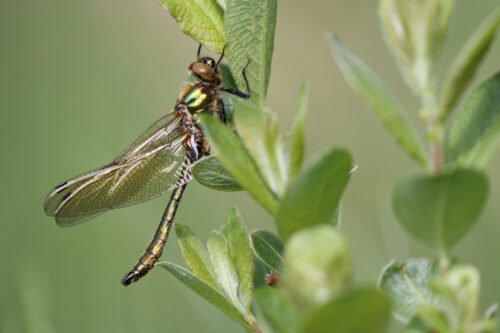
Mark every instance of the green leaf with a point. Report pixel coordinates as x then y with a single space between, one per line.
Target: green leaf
225 272
234 157
203 20
408 284
475 132
268 247
195 255
467 61
261 272
440 209
361 310
434 319
313 196
336 220
318 264
227 77
273 308
297 136
379 99
415 31
459 294
209 293
222 4
211 173
228 82
250 28
236 234
258 129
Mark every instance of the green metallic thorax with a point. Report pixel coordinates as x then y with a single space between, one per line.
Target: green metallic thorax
197 98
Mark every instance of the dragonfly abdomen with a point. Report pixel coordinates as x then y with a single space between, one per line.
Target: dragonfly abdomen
153 252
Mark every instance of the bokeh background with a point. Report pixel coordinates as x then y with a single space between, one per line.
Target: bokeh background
79 80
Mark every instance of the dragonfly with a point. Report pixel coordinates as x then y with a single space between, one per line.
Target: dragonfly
157 162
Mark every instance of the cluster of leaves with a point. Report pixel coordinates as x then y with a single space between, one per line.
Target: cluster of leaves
307 262
439 206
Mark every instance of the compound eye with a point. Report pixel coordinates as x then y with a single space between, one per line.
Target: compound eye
202 69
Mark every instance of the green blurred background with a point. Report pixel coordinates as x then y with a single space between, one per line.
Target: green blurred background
81 79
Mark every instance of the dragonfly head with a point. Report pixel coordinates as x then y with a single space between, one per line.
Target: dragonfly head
206 71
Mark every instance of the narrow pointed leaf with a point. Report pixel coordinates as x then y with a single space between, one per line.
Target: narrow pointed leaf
379 99
235 158
203 20
467 62
195 255
258 129
313 196
211 173
361 310
236 234
415 31
206 291
475 132
408 284
225 272
250 28
440 209
297 136
268 247
274 308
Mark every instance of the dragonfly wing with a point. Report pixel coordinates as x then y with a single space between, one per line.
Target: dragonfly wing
125 178
167 178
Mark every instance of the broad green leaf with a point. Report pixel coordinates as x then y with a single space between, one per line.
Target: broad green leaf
415 31
203 20
268 247
212 295
475 132
379 99
222 4
336 220
258 129
250 28
439 210
361 310
236 234
297 136
313 196
211 173
467 61
225 272
318 264
276 310
195 255
408 284
235 158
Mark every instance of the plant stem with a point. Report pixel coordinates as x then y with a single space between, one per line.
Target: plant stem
434 127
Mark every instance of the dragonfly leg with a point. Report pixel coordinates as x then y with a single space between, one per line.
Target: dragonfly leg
237 92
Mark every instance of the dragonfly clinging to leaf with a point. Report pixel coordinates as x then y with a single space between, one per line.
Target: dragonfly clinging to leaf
157 162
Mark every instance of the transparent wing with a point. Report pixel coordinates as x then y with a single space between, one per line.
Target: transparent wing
149 167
